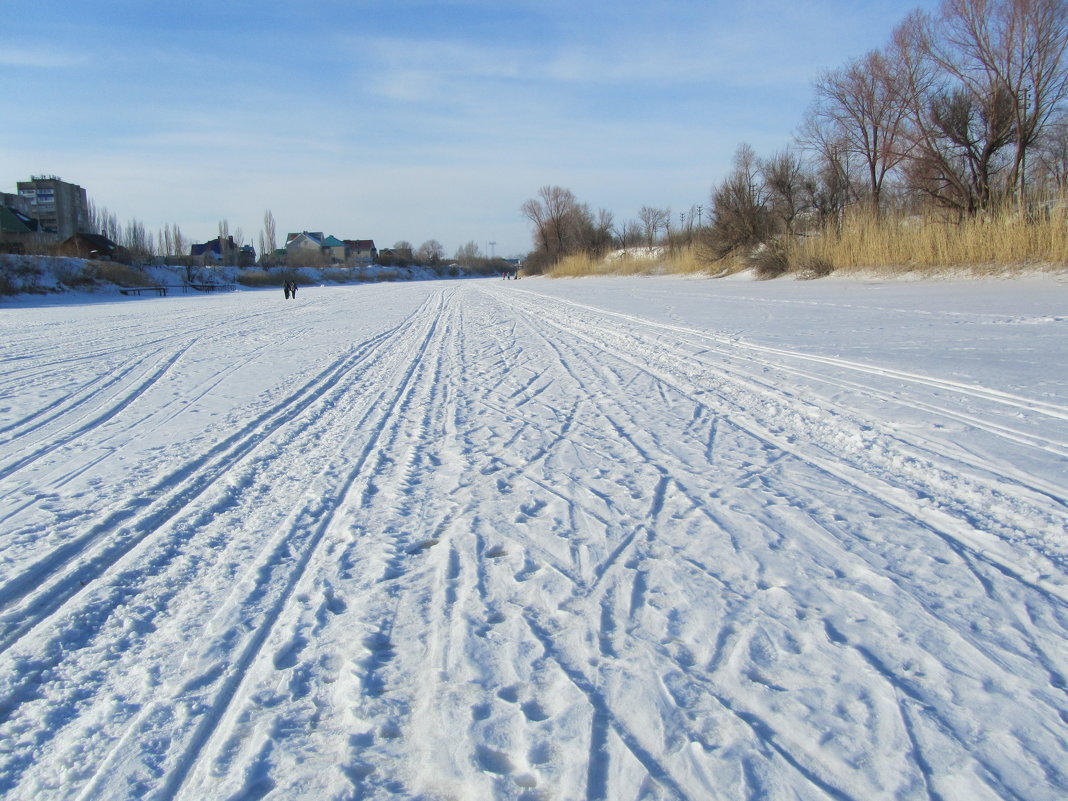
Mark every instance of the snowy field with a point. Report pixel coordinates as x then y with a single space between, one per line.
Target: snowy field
647 538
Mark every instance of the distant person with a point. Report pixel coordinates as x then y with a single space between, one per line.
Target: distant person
285 288
293 289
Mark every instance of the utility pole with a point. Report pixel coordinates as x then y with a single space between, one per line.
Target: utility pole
1020 198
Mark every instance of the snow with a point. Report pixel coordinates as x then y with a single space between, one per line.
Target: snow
645 538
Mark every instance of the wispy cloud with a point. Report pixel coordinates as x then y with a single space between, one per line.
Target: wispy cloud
39 57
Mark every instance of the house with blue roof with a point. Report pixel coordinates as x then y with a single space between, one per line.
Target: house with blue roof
222 251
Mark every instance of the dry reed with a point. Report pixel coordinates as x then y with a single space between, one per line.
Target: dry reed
887 245
895 244
682 261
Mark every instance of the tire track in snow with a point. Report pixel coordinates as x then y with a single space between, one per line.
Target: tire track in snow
391 426
115 406
603 720
376 415
740 372
1053 410
81 395
29 680
940 526
957 538
864 477
58 577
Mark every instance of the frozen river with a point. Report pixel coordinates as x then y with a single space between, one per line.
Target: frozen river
614 539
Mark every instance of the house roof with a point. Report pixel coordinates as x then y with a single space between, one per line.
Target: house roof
333 242
89 244
315 236
212 246
14 221
361 244
98 241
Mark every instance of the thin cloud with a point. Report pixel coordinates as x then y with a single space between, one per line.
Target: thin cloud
39 58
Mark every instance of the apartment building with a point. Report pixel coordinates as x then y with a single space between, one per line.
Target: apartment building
61 208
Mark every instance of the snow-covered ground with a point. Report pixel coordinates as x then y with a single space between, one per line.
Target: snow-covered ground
647 538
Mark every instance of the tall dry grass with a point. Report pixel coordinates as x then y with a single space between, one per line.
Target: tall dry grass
886 245
681 261
115 273
894 244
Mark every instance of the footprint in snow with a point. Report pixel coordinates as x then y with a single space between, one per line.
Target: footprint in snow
425 545
509 694
493 761
534 711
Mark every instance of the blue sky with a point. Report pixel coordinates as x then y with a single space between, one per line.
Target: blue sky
407 120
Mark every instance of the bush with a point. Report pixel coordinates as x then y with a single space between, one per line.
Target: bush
115 273
258 279
74 274
344 275
814 267
769 261
19 274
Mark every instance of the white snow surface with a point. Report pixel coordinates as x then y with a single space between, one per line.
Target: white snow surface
644 538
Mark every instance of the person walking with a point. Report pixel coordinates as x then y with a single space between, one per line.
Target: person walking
285 288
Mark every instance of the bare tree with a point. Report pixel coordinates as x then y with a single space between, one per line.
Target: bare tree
101 221
562 225
1011 50
268 239
179 242
171 241
652 220
784 178
430 253
137 241
981 80
956 137
740 216
469 256
166 246
549 213
602 234
629 233
865 115
827 187
1050 167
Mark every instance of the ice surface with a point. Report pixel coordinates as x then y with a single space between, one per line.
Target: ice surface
649 538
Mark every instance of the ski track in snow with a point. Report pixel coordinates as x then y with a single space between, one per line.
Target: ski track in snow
470 540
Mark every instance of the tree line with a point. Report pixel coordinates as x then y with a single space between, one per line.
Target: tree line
961 111
171 245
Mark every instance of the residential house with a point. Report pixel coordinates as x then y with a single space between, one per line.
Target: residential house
220 251
313 249
362 250
335 250
304 249
19 232
92 246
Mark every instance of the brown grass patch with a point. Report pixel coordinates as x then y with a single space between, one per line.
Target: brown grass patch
895 245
